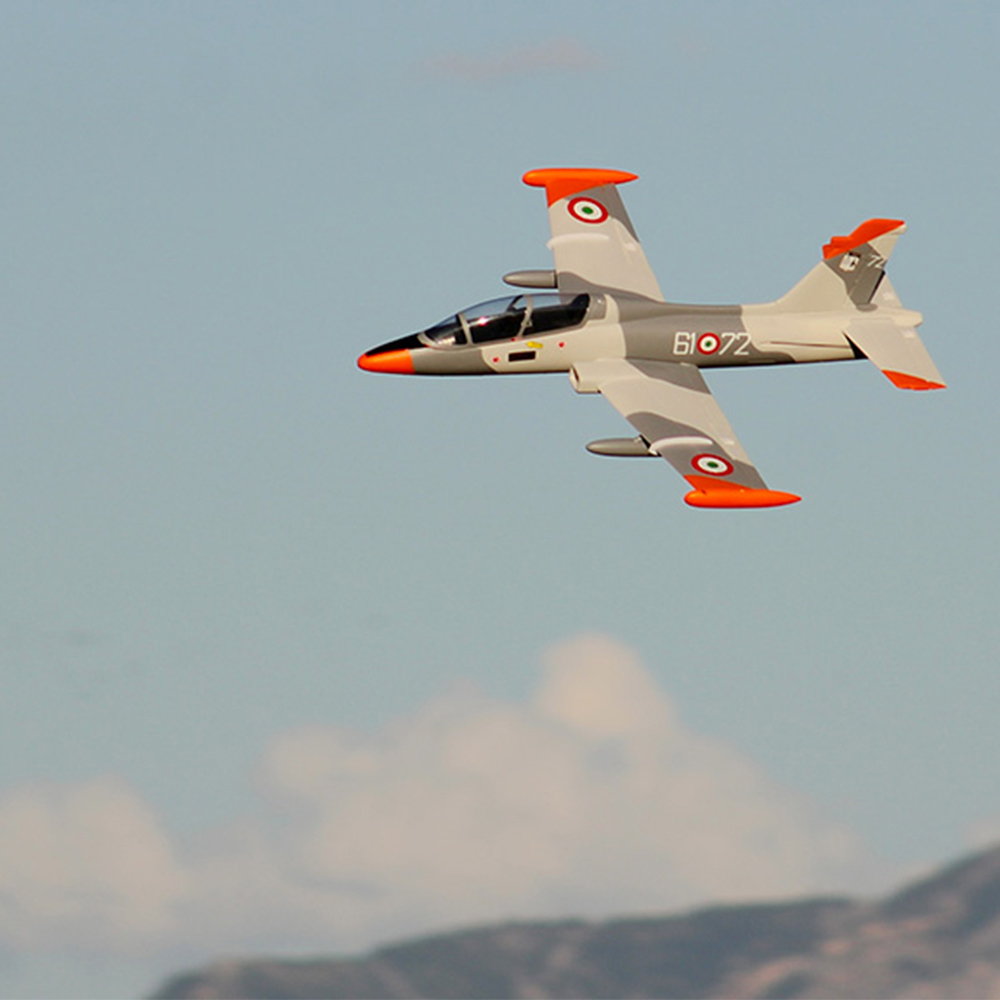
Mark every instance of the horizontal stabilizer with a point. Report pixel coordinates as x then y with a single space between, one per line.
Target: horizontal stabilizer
897 351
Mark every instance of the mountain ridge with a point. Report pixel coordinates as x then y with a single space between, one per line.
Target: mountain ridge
936 937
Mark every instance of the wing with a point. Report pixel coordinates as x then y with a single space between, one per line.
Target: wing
593 241
678 418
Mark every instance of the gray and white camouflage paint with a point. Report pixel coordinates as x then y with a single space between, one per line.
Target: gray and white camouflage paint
643 354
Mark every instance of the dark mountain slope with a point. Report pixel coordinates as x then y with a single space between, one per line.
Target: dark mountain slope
937 938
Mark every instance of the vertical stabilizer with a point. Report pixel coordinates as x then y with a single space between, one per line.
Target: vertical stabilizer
851 271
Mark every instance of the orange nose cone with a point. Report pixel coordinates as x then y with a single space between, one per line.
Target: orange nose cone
396 362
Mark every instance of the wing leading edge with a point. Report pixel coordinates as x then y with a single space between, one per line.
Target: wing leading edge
678 418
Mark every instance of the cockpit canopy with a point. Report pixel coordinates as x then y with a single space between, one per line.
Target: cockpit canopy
508 318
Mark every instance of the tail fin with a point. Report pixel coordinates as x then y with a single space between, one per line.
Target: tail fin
851 271
852 276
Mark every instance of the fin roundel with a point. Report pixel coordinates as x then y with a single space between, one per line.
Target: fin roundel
564 182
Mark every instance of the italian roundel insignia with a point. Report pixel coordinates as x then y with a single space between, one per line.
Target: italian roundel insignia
712 465
708 343
587 210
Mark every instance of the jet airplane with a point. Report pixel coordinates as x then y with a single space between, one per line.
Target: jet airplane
600 316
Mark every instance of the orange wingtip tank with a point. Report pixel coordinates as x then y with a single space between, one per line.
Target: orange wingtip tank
865 233
710 492
903 381
563 182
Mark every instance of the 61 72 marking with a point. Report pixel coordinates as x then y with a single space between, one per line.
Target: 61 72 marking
707 344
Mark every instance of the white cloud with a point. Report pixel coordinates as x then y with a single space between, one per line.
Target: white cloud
84 865
557 55
592 798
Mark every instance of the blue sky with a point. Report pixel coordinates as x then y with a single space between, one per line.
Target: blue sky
219 535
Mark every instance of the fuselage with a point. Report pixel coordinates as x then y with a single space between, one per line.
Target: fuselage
552 332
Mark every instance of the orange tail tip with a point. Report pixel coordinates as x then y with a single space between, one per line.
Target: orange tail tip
903 381
563 182
394 362
865 233
713 494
